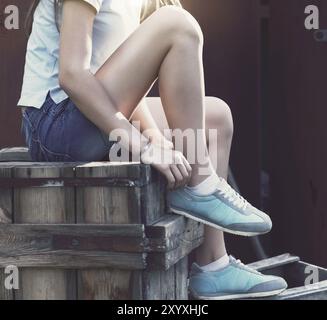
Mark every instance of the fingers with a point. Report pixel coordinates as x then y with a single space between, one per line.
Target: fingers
179 179
177 176
188 166
181 170
177 171
186 170
170 179
186 175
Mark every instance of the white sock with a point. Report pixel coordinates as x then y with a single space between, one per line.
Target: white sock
206 187
217 265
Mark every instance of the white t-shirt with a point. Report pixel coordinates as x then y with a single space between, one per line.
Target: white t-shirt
114 22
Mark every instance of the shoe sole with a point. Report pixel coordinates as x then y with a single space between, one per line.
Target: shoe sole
239 296
239 233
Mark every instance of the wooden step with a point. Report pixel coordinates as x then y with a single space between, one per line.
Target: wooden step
14 154
92 231
305 281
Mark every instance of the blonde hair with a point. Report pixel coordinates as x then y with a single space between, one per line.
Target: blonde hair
149 6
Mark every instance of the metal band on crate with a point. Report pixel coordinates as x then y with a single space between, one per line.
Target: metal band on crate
6 183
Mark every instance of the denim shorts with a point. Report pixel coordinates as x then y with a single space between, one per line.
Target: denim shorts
61 133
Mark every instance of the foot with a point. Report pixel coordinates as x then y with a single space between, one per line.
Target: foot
225 210
235 281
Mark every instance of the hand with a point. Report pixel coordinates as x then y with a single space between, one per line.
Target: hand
162 142
171 163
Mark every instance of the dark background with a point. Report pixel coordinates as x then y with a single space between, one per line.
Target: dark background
262 61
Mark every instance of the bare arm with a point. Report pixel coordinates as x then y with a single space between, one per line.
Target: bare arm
80 84
95 102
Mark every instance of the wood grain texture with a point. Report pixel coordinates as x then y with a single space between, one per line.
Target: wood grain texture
6 215
151 285
167 272
105 205
153 197
69 260
173 231
189 238
111 234
274 262
44 205
93 245
14 154
32 239
181 276
169 284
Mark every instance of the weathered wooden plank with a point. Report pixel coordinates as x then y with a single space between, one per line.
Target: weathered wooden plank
23 164
105 284
109 219
317 291
5 197
69 182
274 262
105 205
136 285
165 234
169 225
118 175
43 205
31 239
83 230
165 260
170 231
296 274
190 239
181 276
14 154
162 244
65 259
52 241
6 214
120 171
168 284
151 285
153 197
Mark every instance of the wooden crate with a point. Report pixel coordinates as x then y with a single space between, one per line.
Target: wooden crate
92 231
296 273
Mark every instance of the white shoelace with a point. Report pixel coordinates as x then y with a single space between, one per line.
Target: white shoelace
231 195
243 266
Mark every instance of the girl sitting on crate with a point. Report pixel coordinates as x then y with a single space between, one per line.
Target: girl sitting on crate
89 67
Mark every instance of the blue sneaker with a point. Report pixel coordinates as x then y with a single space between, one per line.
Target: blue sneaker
225 210
235 281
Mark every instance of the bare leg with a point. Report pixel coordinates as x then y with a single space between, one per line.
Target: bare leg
217 116
167 46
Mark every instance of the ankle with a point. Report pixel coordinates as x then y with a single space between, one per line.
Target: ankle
216 264
200 174
205 259
206 187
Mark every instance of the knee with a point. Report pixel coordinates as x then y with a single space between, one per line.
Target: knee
181 24
219 116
